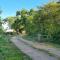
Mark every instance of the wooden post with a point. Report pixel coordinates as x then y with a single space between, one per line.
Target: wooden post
39 37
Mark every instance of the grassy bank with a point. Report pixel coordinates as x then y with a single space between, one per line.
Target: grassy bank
9 52
35 39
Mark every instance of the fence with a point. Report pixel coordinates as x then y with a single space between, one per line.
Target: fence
37 37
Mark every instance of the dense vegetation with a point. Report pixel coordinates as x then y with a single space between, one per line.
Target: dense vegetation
45 21
8 51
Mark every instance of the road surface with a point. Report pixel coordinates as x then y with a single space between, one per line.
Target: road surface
30 51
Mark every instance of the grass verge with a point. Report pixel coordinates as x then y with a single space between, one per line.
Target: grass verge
9 52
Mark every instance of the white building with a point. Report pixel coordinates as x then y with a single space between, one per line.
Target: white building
6 27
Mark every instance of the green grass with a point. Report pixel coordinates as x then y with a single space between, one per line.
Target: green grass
9 52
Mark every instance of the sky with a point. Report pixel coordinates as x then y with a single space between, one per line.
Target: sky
9 7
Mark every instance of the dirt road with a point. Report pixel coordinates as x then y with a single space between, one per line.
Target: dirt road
30 51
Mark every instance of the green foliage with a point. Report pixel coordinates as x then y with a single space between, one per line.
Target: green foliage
1 30
24 20
11 20
44 21
9 52
48 21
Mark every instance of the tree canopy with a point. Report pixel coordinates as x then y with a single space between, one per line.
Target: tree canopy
45 21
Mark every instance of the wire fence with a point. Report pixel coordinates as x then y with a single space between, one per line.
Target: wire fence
43 38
